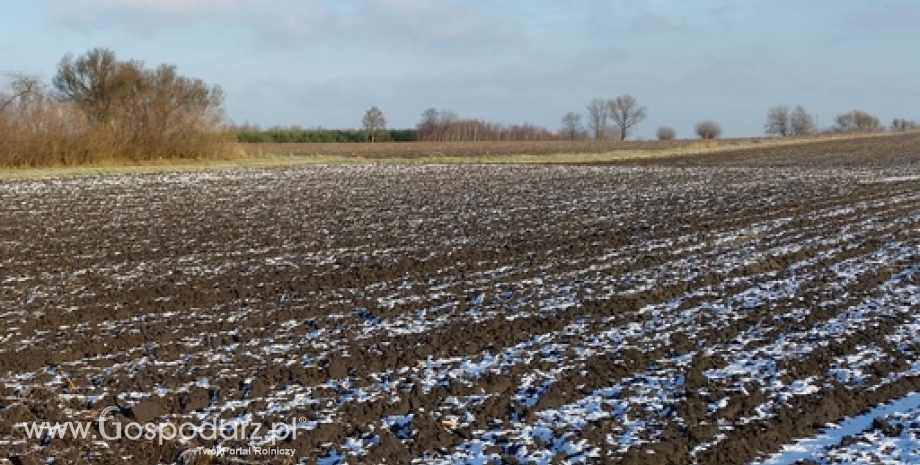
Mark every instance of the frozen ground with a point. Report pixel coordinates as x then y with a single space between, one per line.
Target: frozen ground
749 310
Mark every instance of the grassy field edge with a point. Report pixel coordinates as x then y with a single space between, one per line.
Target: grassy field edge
254 156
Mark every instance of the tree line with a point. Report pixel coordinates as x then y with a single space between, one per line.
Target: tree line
445 125
436 125
618 117
295 134
615 118
98 108
783 121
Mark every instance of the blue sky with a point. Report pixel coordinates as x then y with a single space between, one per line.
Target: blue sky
324 63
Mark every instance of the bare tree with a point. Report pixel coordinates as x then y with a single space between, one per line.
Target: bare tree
598 112
139 106
447 119
24 89
374 122
779 121
626 113
161 101
708 130
571 123
802 122
666 133
95 82
866 122
436 124
844 123
445 125
856 121
27 119
428 126
99 107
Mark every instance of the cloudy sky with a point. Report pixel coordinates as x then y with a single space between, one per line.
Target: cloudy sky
325 62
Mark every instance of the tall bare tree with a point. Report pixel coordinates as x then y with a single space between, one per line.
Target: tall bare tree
161 101
428 126
598 112
95 82
374 122
571 123
626 113
447 119
802 122
779 121
438 125
138 105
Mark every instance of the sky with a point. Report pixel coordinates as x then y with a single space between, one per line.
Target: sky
315 63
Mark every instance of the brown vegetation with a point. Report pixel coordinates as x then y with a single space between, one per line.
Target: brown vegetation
558 150
419 150
783 121
857 121
903 125
571 125
626 113
666 133
445 126
101 109
708 130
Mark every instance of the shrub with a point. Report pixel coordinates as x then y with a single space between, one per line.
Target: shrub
104 109
708 130
856 121
902 125
666 133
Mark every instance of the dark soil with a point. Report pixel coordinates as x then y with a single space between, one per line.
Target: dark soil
416 310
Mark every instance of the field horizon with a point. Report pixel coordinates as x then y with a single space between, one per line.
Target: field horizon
268 155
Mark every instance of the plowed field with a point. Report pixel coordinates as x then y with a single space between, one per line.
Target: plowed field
706 310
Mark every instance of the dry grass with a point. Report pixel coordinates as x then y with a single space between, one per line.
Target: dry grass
250 156
522 152
43 132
